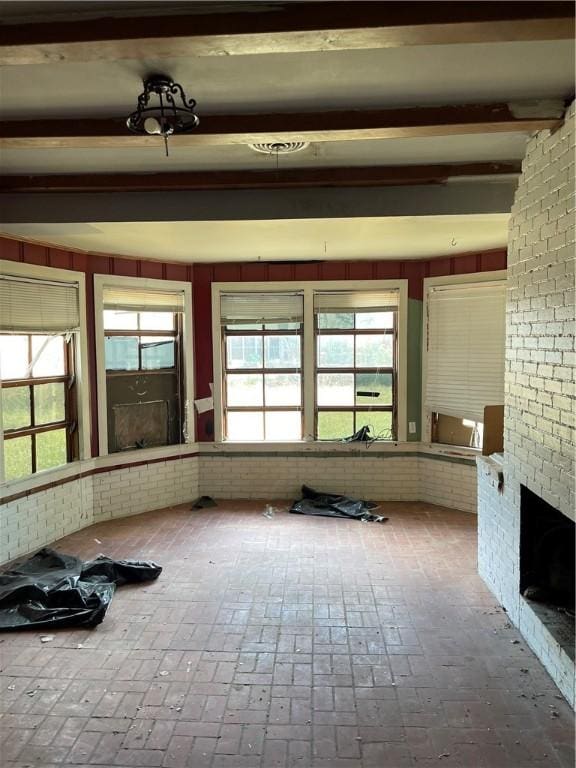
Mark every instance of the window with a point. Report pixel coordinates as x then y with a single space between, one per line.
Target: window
38 321
143 361
355 365
262 354
309 361
464 358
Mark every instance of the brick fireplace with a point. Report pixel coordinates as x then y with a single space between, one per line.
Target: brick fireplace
537 466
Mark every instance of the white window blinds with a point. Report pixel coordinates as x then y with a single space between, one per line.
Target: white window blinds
38 306
261 308
465 360
142 300
355 301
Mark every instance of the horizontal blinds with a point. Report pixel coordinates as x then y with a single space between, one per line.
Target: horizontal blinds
141 300
261 308
37 306
465 361
355 301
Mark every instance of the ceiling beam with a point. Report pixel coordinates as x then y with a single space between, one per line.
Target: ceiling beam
285 28
292 178
456 198
333 125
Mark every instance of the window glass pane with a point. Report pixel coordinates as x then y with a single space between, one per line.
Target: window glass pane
49 403
374 351
368 385
118 320
282 326
157 321
244 327
283 425
335 425
245 426
15 407
51 449
282 352
48 353
121 353
244 352
282 389
380 423
335 320
13 356
336 351
335 389
244 389
18 457
374 319
157 352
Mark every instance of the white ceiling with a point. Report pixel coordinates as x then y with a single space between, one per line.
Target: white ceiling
290 239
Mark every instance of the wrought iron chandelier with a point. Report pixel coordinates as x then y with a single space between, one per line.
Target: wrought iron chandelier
163 110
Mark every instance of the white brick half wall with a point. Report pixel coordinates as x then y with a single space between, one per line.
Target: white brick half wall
41 517
366 473
44 515
539 444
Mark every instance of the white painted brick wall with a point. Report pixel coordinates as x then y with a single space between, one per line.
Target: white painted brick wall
539 443
539 381
265 476
35 521
448 484
144 487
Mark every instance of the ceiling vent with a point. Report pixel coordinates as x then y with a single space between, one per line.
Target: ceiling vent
280 147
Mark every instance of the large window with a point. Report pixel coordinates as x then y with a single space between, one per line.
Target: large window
262 353
143 361
309 364
465 335
38 321
355 366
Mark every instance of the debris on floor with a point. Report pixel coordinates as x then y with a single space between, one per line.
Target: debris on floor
204 502
333 505
51 590
270 511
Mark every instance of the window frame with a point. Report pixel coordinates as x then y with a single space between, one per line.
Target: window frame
354 370
434 282
262 333
80 352
309 288
70 421
187 345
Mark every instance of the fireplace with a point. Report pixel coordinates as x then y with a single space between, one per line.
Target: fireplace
547 574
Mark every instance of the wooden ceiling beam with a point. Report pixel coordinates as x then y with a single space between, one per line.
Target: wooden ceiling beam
250 179
286 28
221 130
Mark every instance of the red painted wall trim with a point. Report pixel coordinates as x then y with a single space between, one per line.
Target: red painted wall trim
203 275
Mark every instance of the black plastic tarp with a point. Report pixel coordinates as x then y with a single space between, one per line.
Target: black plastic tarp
333 505
51 589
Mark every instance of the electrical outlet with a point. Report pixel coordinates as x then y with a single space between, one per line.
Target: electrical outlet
412 427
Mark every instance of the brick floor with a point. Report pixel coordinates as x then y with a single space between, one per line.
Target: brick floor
286 642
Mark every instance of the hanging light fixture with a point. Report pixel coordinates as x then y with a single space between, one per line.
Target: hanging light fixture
163 110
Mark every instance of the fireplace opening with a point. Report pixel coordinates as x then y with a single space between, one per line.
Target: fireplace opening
547 572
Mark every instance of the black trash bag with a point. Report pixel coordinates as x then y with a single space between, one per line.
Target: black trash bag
333 505
51 590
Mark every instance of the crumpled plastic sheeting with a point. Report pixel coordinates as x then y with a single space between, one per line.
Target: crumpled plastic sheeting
51 590
332 505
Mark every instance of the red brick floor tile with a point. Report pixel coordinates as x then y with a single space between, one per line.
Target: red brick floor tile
286 643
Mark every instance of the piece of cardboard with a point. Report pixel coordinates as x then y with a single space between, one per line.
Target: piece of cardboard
493 441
